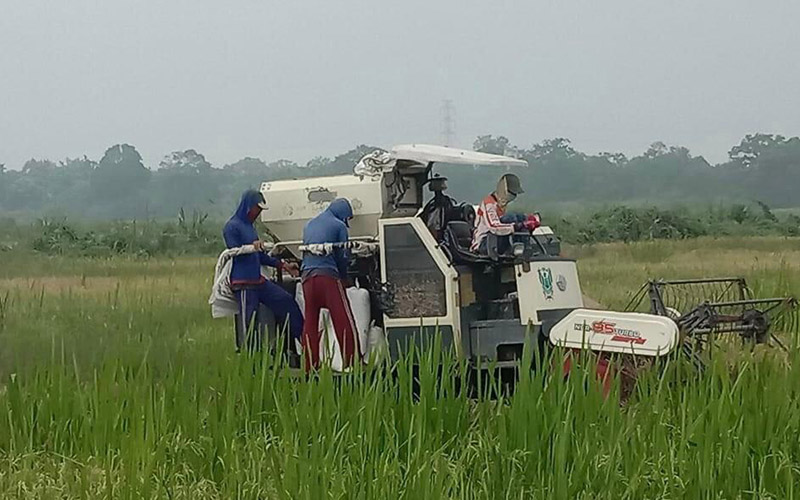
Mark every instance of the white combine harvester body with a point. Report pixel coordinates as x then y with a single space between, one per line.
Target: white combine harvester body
292 203
373 196
485 309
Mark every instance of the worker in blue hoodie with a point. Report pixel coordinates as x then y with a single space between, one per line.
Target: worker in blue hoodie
323 278
250 286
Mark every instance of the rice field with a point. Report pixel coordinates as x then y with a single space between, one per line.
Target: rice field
115 382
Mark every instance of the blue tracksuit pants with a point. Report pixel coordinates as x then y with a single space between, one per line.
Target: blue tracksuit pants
274 297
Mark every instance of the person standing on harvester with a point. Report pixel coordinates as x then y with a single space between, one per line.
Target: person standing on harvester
250 286
323 279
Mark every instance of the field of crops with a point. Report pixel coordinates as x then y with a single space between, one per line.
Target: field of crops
115 382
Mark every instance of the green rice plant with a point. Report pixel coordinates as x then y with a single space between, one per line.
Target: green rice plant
115 382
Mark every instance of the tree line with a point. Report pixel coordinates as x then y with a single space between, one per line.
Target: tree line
762 167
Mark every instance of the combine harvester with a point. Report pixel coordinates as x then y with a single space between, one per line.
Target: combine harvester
423 281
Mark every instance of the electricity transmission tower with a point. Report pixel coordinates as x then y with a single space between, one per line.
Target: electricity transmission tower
448 119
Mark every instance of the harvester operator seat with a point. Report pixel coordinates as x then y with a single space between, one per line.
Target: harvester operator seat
438 210
460 233
442 209
457 241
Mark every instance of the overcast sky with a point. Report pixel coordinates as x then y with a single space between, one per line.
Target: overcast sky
295 78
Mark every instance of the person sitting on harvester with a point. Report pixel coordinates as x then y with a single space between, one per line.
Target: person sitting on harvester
323 276
492 219
250 286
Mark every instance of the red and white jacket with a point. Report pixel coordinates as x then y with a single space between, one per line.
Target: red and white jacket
487 221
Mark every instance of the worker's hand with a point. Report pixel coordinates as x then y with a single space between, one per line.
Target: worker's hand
532 222
292 268
276 250
259 245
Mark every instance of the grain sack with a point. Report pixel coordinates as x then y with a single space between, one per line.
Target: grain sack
359 304
376 347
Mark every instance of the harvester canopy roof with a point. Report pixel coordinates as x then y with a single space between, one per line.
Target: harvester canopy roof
427 153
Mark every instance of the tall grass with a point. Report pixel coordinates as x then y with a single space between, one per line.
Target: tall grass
120 385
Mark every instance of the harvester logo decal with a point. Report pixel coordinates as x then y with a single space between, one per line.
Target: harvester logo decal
617 334
546 279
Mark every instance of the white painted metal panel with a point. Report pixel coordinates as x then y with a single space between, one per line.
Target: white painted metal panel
546 286
426 153
292 203
621 332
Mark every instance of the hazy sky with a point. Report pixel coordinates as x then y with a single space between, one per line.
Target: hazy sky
296 79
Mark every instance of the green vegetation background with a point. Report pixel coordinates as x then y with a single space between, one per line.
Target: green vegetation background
763 168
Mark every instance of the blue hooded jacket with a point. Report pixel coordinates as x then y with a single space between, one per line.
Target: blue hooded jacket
329 227
238 231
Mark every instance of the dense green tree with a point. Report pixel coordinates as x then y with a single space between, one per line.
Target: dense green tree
614 159
775 173
552 150
247 173
185 179
119 173
32 187
119 183
188 162
499 145
558 172
283 169
753 146
248 166
71 185
318 162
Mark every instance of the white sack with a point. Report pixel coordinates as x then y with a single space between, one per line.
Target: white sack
222 299
329 345
359 304
376 344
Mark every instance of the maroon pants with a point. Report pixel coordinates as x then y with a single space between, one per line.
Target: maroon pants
326 292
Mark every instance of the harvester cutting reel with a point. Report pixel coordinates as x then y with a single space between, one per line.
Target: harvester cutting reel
690 315
708 310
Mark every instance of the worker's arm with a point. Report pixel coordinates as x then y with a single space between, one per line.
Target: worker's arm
268 260
496 226
265 258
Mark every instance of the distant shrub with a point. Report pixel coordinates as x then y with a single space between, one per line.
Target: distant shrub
185 236
623 223
195 234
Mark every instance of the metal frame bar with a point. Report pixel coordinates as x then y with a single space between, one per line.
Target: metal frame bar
752 302
697 281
